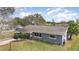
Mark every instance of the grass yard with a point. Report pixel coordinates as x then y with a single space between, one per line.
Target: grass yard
75 43
6 34
32 45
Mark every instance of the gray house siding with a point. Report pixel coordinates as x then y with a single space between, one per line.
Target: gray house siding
46 37
47 33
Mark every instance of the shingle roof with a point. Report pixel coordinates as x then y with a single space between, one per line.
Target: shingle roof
58 30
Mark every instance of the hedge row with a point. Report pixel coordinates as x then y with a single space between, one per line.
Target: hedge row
22 35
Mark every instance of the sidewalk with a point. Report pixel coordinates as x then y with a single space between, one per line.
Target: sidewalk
6 41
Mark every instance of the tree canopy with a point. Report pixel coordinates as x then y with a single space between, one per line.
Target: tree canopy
35 19
5 12
73 28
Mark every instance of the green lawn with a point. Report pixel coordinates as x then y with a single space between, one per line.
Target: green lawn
32 45
75 43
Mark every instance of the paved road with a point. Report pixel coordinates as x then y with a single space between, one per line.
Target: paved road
6 41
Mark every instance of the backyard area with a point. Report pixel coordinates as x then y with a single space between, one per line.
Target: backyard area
33 45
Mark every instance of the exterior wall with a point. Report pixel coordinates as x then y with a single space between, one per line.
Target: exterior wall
46 37
64 37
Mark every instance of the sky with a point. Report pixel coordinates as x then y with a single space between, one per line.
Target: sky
57 13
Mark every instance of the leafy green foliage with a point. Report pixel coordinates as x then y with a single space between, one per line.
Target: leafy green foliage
17 35
73 28
22 35
51 23
35 19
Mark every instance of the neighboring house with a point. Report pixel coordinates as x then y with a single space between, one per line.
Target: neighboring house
19 28
52 34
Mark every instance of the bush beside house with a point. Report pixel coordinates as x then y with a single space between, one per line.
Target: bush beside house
22 36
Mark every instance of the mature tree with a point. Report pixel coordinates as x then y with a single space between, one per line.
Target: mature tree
35 19
73 29
17 21
49 23
5 12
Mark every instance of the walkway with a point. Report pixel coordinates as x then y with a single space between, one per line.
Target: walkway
6 41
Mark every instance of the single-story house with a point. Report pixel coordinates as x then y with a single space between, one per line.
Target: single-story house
52 34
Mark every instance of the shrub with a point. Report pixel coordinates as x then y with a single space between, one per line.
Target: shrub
27 35
22 35
16 35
